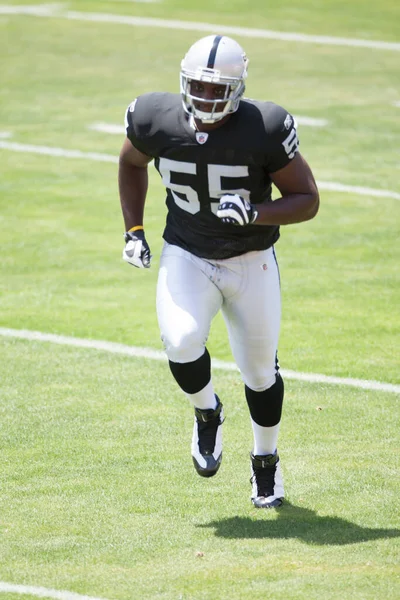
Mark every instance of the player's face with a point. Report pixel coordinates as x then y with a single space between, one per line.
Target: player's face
208 92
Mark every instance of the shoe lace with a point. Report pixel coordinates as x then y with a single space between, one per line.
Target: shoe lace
265 480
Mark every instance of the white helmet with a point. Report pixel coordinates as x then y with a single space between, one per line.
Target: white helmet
214 59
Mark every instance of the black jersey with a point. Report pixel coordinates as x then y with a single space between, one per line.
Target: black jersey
197 168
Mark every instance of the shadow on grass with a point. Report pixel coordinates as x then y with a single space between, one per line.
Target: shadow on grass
301 523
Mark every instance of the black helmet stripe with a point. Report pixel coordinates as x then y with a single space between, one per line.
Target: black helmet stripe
213 52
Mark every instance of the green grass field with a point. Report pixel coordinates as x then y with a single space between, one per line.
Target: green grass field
98 493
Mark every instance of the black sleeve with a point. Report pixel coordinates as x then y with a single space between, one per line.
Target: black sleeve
137 127
282 128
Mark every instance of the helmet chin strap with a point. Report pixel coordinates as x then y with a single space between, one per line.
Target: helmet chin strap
208 117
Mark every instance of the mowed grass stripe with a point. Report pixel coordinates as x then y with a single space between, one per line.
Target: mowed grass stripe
48 10
329 186
136 352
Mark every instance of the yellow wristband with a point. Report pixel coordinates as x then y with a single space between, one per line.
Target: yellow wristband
136 228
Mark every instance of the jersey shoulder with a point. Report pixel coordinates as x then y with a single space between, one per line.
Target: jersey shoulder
150 118
279 131
276 119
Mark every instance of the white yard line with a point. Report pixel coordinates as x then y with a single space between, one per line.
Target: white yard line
56 11
120 129
78 154
108 128
60 152
311 122
331 186
42 592
160 356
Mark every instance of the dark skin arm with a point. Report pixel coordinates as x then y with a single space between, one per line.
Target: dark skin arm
133 183
300 199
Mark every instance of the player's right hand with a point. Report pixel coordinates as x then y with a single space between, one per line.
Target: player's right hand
137 250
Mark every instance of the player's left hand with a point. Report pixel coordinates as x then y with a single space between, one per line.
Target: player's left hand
236 210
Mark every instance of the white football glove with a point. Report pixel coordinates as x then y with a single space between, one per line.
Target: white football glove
235 209
137 250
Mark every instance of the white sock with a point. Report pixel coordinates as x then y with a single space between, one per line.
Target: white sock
265 439
205 398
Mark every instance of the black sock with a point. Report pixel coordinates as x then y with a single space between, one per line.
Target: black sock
266 407
192 376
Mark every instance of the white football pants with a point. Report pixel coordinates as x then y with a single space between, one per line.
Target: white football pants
190 292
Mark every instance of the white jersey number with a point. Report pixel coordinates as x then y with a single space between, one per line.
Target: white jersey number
186 196
191 201
291 143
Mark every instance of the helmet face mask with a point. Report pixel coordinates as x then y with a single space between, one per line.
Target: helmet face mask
218 62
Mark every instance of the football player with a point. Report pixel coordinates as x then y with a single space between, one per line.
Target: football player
218 155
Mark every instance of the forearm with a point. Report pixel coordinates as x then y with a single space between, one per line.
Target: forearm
291 208
133 184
